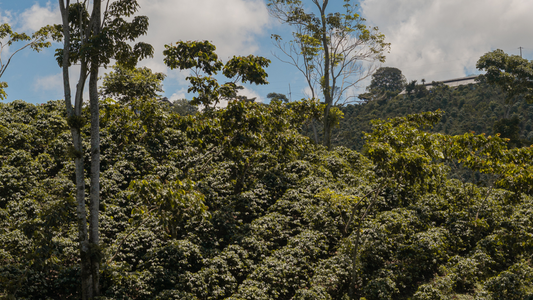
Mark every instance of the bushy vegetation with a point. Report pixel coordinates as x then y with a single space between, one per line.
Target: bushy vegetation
236 204
474 107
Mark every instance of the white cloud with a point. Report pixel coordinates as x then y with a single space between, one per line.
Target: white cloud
179 94
250 94
37 16
307 92
6 17
231 25
442 39
54 84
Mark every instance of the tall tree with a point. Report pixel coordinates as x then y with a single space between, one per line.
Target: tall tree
37 41
386 82
200 57
92 41
329 49
512 73
387 79
278 96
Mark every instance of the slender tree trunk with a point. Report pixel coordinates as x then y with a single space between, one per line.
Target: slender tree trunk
74 117
85 248
94 205
313 125
327 91
355 252
89 269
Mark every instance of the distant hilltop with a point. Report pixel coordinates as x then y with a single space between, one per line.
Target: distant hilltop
450 82
454 82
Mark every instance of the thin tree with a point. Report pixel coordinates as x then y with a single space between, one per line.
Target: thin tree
329 49
91 41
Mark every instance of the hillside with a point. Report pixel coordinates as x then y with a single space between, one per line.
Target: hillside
473 107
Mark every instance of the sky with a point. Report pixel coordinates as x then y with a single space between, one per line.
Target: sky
430 39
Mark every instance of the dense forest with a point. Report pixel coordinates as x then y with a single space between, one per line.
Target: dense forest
237 204
411 194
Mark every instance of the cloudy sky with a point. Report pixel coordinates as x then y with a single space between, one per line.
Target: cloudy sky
430 39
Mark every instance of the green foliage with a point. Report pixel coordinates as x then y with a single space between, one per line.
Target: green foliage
3 86
189 55
468 108
247 69
512 73
386 83
201 57
119 27
125 84
236 204
183 107
509 129
277 96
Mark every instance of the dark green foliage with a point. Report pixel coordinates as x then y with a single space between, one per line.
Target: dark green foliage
236 204
511 73
509 129
386 83
277 97
125 84
467 108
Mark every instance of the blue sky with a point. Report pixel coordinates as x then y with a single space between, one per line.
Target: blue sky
430 39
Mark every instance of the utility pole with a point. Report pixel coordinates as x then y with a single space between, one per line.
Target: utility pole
520 51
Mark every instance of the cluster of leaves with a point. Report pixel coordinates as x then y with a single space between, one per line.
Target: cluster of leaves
37 41
386 83
200 57
236 204
125 84
511 73
119 28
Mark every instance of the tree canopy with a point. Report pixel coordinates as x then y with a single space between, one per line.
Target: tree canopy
512 73
125 84
200 56
329 49
237 204
386 82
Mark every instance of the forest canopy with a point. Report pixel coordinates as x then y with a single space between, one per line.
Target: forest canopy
419 195
237 204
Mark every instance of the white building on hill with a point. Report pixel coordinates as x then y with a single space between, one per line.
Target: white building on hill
455 82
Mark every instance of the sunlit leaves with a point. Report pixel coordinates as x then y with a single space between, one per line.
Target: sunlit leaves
114 40
125 84
201 57
248 69
236 204
193 55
